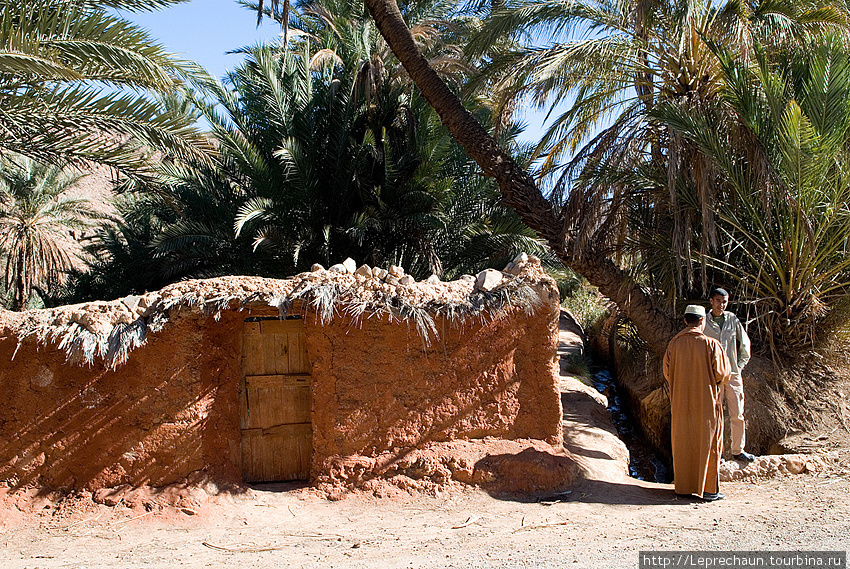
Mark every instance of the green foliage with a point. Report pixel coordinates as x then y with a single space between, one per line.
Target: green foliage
158 238
707 145
70 85
37 214
588 307
325 152
785 219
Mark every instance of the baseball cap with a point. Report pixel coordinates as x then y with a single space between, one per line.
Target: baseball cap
695 309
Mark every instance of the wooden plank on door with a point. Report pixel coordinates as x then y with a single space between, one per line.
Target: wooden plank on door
298 360
252 350
282 351
277 453
294 326
277 399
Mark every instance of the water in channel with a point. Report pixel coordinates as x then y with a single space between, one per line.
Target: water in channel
644 462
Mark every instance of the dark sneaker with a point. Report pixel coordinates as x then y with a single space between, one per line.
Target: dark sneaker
744 456
713 496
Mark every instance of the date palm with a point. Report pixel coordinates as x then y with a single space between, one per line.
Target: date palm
622 61
71 74
37 215
779 141
342 99
567 234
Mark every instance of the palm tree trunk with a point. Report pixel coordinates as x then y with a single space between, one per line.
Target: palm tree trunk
654 324
19 300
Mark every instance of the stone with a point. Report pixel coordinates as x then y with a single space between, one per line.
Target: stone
147 301
794 464
316 268
488 279
466 278
391 279
110 496
406 280
62 319
131 302
382 273
364 270
396 271
350 265
95 320
522 258
338 268
433 279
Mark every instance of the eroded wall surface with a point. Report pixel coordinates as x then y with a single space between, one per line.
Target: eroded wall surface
377 388
170 412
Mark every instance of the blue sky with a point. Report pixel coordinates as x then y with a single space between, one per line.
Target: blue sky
205 30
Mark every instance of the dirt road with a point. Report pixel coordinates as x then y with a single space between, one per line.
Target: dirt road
597 525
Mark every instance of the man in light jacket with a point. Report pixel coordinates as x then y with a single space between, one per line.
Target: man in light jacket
725 327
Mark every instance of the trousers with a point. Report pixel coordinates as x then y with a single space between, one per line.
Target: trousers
733 392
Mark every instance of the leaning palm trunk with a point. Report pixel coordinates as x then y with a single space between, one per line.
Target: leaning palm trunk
654 324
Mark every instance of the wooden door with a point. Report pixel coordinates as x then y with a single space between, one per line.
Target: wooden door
277 435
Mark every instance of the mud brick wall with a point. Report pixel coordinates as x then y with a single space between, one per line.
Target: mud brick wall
377 388
170 411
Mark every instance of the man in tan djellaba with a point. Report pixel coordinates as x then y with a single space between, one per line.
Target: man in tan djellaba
695 367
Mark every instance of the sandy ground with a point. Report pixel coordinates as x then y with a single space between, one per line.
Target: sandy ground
604 522
597 525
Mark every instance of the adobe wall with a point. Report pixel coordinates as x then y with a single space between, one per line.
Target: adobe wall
378 389
170 411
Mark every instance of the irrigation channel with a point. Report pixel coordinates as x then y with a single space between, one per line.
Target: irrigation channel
644 462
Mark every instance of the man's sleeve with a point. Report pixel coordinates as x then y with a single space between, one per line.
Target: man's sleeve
722 369
743 345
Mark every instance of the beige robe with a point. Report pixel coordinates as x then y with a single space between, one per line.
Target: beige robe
695 366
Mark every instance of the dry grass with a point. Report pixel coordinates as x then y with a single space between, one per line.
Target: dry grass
111 331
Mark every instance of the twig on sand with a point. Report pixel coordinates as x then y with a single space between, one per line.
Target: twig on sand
541 526
294 515
130 520
241 549
91 519
469 521
694 528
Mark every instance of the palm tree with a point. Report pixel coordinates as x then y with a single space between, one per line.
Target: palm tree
340 99
161 237
649 314
519 190
70 74
779 142
626 61
325 151
36 218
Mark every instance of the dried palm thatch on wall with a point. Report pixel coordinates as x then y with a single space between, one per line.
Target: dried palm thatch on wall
109 331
